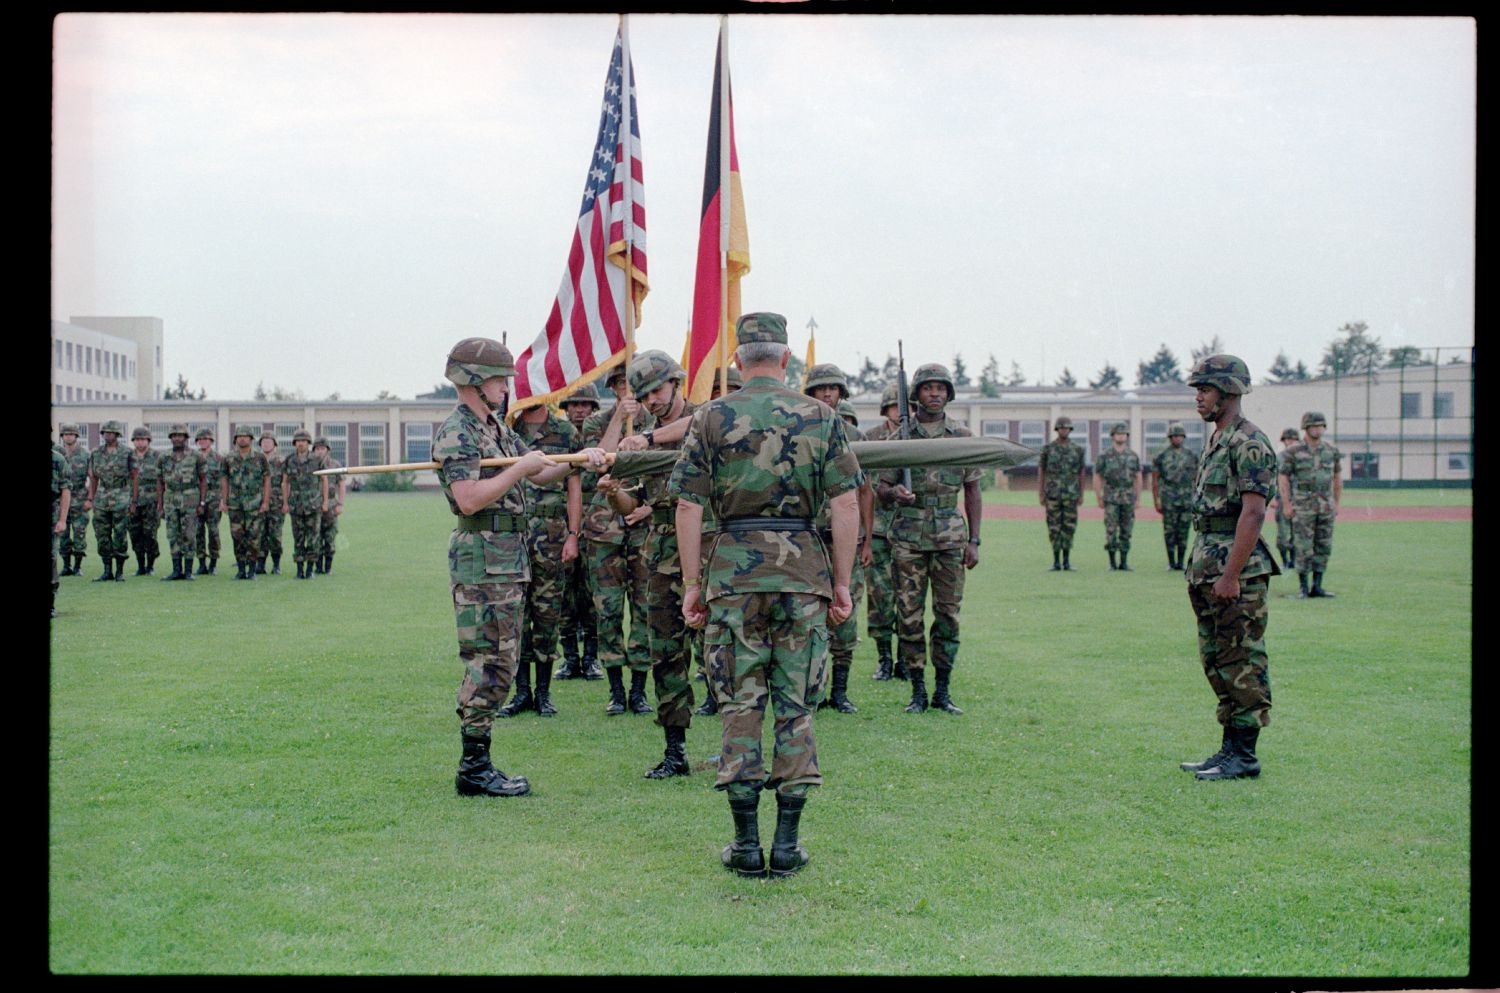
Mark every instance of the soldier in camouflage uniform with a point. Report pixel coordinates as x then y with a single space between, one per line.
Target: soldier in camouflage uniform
880 612
1284 537
1230 568
181 490
578 600
553 516
112 486
75 540
1172 492
145 513
770 592
304 497
656 383
271 523
1311 485
488 568
207 542
328 520
1117 486
62 496
1059 489
245 491
931 544
733 377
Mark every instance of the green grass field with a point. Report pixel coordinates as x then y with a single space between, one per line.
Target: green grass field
258 778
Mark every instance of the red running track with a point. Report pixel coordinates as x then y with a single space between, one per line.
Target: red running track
1091 512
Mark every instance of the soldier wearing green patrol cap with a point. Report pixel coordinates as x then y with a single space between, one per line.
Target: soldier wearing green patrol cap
1172 492
112 492
1060 488
880 604
145 510
245 492
1285 536
1311 487
75 539
304 497
206 543
1117 487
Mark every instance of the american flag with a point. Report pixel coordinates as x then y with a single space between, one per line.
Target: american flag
586 331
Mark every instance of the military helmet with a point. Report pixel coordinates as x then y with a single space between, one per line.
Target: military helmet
1176 430
68 428
244 429
889 397
112 427
266 434
735 378
615 375
1226 372
1062 422
651 368
1290 434
1119 427
140 432
847 412
932 372
1313 417
584 394
177 429
302 434
204 433
321 440
827 374
473 360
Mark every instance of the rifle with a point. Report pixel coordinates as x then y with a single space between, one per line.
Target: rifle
903 404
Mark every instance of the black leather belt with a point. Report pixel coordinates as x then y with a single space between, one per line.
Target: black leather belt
740 524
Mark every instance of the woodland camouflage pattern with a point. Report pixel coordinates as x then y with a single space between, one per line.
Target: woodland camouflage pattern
1062 461
1311 470
548 532
112 471
618 570
182 476
75 540
207 543
1118 470
246 476
1175 469
146 521
305 502
880 617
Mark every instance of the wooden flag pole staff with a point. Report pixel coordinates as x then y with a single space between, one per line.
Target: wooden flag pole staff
571 458
628 74
726 209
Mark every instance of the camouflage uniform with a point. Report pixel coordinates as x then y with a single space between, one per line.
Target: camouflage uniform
145 521
113 473
182 487
60 485
1285 537
247 476
1174 468
75 540
1119 471
578 597
1311 470
880 605
1063 462
207 542
272 522
328 520
304 504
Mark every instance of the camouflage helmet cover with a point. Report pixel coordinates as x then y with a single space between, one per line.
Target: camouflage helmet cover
827 374
584 394
735 379
321 441
267 434
616 374
302 434
473 360
244 429
1290 434
204 433
650 369
1228 373
847 412
1063 422
68 428
1176 430
1313 417
112 427
889 397
1119 427
177 429
932 372
140 432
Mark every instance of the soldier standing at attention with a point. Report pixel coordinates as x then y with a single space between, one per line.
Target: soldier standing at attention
245 490
208 516
145 512
181 490
770 591
880 609
1312 484
271 523
930 543
1285 541
328 520
578 601
304 496
62 495
112 486
1172 492
1117 485
487 560
1230 570
75 540
1059 489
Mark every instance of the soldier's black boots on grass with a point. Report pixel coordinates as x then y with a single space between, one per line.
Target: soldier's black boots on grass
1239 761
674 759
260 566
318 564
328 563
637 702
840 699
744 854
140 563
108 573
710 705
1056 560
520 697
1212 760
1124 567
213 565
899 672
1112 561
884 667
239 569
591 667
940 698
570 668
787 855
918 703
1302 582
616 703
544 707
302 570
176 569
1067 566
275 565
477 777
119 568
1317 586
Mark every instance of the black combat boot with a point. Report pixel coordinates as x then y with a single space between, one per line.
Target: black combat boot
638 704
1056 560
1317 586
1124 566
119 568
744 854
1239 761
616 703
151 558
886 664
275 565
1112 561
840 699
187 568
544 707
176 569
78 564
1213 760
520 698
674 759
1302 581
787 855
710 705
591 667
260 566
213 565
67 566
477 777
1067 566
940 698
918 693
328 563
140 563
1291 558
899 672
239 568
109 571
250 568
317 563
570 668
299 571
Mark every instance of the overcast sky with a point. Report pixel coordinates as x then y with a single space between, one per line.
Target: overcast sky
328 202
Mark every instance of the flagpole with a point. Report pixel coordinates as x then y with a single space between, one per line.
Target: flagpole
627 73
726 205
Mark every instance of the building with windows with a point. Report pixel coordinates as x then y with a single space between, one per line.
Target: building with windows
106 359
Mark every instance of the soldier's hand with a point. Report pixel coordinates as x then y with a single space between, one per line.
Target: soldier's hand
629 407
606 484
264 506
284 509
532 463
866 554
61 527
158 510
841 607
971 556
638 514
634 443
1289 511
1226 589
1041 497
132 510
324 507
903 495
1101 502
88 505
694 611
598 458
1158 508
570 549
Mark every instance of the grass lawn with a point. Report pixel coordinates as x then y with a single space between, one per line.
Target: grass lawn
258 778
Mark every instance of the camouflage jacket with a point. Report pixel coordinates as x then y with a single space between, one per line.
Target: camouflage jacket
335 483
276 466
554 436
1118 471
765 451
933 522
59 482
1062 461
476 557
824 518
657 489
180 476
884 431
213 471
1175 469
148 469
1311 469
78 473
600 522
112 472
304 490
1238 460
247 479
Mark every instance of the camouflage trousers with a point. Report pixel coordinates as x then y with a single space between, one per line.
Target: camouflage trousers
182 525
668 632
245 527
489 618
1312 539
843 638
270 532
144 524
1062 522
1232 647
207 542
1175 523
577 600
545 593
915 569
75 540
305 537
1285 539
328 531
768 646
619 574
880 615
111 531
1119 521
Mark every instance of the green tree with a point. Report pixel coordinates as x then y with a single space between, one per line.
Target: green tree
386 395
989 377
1162 368
182 391
1066 379
1017 377
1406 355
960 371
1358 351
440 391
1282 370
794 367
1213 346
869 378
1109 379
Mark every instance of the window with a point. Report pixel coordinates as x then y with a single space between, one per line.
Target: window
58 346
995 429
418 443
1411 405
1458 461
1442 405
159 438
1034 434
371 444
338 440
88 360
283 433
1153 438
158 356
1364 465
68 353
132 368
68 393
59 392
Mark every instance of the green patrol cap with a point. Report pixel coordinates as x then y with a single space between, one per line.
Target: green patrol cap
847 412
1313 417
140 432
178 429
301 434
69 428
1290 434
650 369
322 441
204 433
827 374
473 360
1227 373
244 429
762 326
932 372
115 427
1119 427
1063 422
1176 431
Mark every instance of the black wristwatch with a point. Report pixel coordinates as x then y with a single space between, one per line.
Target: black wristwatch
974 542
650 436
